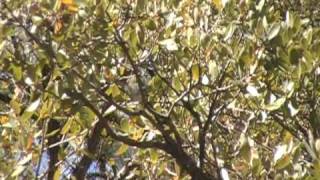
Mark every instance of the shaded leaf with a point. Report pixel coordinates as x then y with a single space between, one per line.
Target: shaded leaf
121 150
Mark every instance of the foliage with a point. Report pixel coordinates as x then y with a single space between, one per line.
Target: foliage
201 89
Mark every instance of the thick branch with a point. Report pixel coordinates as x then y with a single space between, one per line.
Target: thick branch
171 147
92 145
104 123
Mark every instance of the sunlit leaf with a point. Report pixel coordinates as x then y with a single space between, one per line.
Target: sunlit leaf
4 119
110 110
317 146
260 5
113 90
281 150
224 174
273 31
33 106
18 170
30 110
293 111
169 44
276 104
25 160
289 19
70 4
67 126
230 30
252 90
218 4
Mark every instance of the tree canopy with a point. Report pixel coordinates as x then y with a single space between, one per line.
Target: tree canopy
163 89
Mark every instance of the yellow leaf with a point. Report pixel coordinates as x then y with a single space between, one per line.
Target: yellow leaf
218 4
113 90
67 2
70 5
73 8
58 25
57 174
195 70
4 119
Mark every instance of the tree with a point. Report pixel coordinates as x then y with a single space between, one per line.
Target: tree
159 89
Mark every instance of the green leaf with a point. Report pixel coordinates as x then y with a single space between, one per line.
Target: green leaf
273 31
230 30
113 90
67 126
150 24
141 5
37 20
276 104
289 19
110 110
46 109
121 150
195 70
17 72
213 70
125 126
154 155
86 115
63 59
30 110
245 149
283 162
